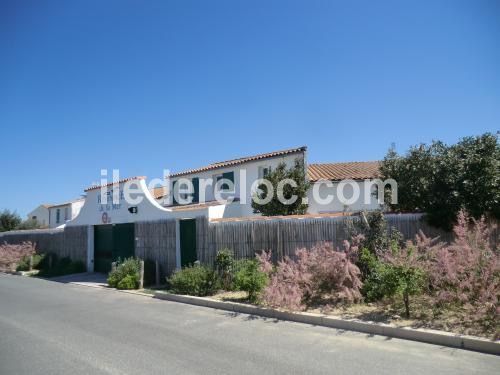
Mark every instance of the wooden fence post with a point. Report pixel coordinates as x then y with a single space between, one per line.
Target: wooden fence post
31 262
141 276
157 264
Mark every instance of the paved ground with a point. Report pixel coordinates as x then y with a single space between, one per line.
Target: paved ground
85 279
56 328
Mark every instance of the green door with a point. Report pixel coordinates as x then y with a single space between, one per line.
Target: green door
188 242
103 247
112 242
123 241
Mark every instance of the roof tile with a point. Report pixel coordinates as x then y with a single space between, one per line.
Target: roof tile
358 170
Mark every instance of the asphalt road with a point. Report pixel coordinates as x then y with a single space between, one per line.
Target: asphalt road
53 328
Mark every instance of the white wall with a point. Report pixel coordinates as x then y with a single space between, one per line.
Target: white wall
148 209
53 215
76 207
42 215
336 205
252 174
73 209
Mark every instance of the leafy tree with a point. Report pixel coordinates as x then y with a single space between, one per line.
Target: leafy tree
440 180
478 165
274 207
405 275
9 220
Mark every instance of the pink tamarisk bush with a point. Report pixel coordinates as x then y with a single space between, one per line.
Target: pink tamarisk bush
466 273
11 255
319 274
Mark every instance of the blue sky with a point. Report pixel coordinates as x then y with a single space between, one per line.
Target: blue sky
147 85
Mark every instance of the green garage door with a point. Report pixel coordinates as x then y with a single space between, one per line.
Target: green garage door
112 242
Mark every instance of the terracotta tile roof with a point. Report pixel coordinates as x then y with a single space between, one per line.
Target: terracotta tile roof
358 170
246 159
158 192
94 187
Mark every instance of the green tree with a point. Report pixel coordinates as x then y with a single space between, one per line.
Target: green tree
9 220
440 180
275 207
477 161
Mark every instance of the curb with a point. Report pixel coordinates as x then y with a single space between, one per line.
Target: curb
21 273
414 334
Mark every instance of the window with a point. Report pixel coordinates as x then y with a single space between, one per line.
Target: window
33 218
66 213
58 216
264 171
196 194
226 176
174 201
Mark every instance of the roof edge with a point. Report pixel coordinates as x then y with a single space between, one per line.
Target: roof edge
94 187
247 159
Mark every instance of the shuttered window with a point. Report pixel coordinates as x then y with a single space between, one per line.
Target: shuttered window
196 186
226 176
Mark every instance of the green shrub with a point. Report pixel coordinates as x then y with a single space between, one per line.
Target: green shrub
224 263
409 281
128 282
379 281
24 264
195 280
59 266
398 274
250 278
129 267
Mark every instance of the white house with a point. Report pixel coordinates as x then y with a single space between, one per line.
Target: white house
328 194
224 190
55 215
60 214
242 174
339 182
41 215
220 191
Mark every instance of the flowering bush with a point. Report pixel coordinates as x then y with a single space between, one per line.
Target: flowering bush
319 274
466 274
11 255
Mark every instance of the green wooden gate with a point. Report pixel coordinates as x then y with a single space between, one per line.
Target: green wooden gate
188 242
112 242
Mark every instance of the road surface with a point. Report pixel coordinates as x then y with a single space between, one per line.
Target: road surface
53 328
